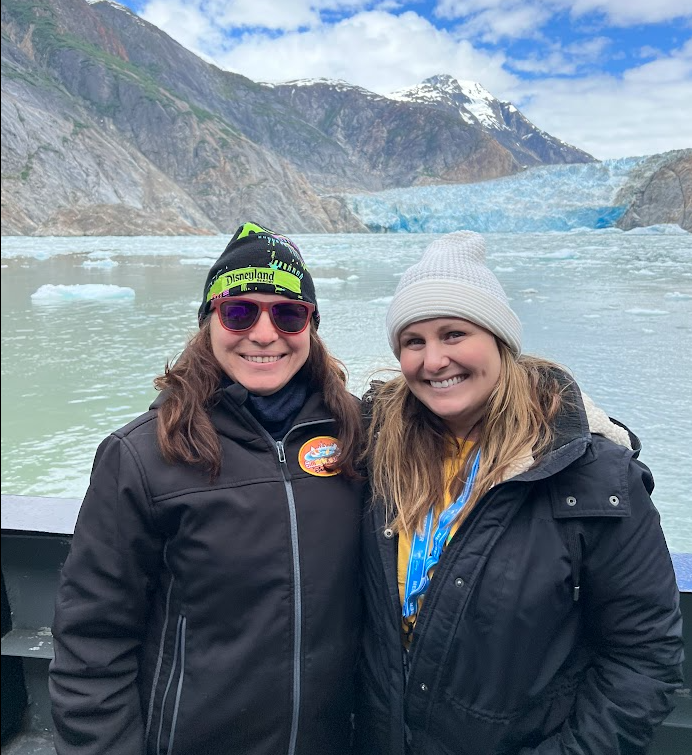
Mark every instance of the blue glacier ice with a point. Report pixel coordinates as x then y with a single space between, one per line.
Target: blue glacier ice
551 198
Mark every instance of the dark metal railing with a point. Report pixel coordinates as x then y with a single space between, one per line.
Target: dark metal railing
36 534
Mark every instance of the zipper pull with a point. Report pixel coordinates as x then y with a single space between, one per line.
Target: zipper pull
281 452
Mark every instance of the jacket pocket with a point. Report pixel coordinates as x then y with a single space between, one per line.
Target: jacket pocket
170 702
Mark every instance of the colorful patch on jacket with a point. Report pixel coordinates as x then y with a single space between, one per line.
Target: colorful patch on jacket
317 453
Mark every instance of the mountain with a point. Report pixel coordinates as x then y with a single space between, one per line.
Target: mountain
111 127
500 120
419 137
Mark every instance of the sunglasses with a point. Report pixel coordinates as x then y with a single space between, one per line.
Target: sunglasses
288 317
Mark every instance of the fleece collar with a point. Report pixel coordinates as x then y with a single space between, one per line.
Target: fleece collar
573 430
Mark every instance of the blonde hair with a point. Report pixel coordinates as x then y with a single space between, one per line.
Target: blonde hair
407 443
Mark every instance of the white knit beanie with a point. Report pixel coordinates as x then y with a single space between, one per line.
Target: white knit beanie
452 280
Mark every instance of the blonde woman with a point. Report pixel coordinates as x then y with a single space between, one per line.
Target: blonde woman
520 598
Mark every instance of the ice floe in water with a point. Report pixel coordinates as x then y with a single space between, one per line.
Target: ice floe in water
205 261
53 294
677 295
646 312
560 254
328 282
104 263
667 228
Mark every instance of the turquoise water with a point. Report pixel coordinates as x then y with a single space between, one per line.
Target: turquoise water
79 361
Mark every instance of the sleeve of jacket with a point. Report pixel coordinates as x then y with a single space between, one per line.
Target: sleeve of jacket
101 612
633 616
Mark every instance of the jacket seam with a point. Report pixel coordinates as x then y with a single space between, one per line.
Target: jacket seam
142 476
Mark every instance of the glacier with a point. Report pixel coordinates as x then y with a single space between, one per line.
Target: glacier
549 198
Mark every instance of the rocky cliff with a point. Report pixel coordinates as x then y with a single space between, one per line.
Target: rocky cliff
111 127
659 191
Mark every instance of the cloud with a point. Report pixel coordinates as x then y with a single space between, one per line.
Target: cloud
283 15
646 110
512 21
376 50
631 12
555 60
614 12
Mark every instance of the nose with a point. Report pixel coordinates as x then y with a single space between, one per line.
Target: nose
434 357
263 331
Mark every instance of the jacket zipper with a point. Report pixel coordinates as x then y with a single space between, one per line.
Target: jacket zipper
297 600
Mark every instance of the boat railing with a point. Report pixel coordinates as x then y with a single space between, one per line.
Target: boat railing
36 535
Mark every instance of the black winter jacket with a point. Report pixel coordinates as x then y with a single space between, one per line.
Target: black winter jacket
198 618
504 660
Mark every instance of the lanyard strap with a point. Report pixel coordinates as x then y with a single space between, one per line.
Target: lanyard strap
419 562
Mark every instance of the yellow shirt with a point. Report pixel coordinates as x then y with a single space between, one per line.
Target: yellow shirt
452 466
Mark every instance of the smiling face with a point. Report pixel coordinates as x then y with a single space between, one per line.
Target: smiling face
262 358
451 366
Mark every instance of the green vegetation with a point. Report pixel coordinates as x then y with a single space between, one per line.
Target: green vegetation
329 117
27 12
201 114
78 126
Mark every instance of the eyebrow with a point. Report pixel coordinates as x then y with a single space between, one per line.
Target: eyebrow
447 322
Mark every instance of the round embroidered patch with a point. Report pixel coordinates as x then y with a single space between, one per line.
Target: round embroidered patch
317 452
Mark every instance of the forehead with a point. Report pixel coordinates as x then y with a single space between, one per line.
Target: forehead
252 296
436 325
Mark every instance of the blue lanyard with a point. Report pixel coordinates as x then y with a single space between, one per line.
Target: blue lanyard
419 562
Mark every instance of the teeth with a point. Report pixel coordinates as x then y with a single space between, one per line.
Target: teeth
447 383
262 360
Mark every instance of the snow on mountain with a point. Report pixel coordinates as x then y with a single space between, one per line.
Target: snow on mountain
471 100
499 119
338 85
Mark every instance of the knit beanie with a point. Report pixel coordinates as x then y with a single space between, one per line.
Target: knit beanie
452 280
258 260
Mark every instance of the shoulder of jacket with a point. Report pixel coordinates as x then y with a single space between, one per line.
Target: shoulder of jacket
137 425
596 484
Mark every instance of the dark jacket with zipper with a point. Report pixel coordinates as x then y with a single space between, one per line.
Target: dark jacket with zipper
210 618
551 624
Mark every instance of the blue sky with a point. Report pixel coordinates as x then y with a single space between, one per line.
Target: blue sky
613 77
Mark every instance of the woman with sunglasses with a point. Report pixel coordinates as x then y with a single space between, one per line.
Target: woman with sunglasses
520 598
209 603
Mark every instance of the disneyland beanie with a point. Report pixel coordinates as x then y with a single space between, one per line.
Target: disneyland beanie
452 280
258 260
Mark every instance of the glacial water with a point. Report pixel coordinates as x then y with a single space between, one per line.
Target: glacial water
88 322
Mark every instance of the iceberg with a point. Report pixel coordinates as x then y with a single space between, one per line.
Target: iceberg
550 198
53 294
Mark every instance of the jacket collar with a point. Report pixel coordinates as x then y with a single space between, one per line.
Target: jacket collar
578 419
233 420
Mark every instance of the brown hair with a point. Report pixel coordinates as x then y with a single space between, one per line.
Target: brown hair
408 444
184 428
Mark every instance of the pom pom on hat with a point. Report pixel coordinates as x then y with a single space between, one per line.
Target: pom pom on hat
452 280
